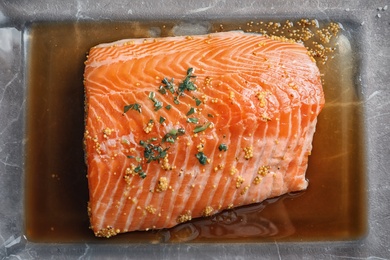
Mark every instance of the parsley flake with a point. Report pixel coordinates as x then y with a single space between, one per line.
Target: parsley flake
201 128
202 158
172 135
153 152
193 120
197 101
191 111
140 172
187 84
162 90
135 106
169 85
222 147
157 104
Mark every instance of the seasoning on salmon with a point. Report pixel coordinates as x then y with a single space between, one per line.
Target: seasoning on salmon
196 125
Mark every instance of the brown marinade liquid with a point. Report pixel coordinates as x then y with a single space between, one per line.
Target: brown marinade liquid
56 188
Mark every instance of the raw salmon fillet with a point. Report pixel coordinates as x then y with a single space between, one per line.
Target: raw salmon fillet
183 127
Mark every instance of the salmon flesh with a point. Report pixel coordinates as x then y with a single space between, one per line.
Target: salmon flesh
178 128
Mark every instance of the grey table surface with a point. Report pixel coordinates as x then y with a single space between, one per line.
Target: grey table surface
375 90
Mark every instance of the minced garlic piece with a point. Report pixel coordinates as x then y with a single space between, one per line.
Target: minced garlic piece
263 170
244 190
129 172
207 81
184 217
233 171
151 209
293 85
107 232
165 164
148 128
89 210
218 167
97 144
261 96
257 180
200 147
248 152
107 131
208 211
205 98
231 95
265 117
162 184
239 181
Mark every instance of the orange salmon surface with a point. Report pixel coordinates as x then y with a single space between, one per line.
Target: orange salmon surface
183 127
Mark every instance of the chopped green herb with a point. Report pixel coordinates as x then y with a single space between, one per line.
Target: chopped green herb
193 120
169 139
163 153
157 104
162 119
153 139
138 159
191 111
135 106
173 132
168 107
187 84
201 128
197 101
140 172
202 158
172 135
153 152
181 131
210 115
162 90
169 85
222 147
